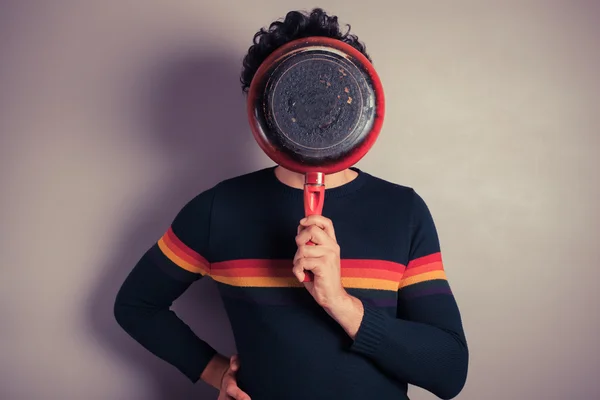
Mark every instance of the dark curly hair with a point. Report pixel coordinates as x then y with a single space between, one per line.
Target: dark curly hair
296 25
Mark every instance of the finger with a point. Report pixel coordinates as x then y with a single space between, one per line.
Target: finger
234 363
307 251
322 222
307 264
235 392
313 234
303 265
299 273
243 396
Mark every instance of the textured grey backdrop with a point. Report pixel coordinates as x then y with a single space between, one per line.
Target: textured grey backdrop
114 113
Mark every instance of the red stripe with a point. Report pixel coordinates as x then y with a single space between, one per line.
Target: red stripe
254 272
434 266
417 262
371 273
373 264
252 263
180 248
376 269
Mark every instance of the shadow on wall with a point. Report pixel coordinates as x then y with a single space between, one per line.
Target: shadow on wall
197 122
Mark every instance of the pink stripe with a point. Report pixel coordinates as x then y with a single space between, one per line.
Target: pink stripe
285 264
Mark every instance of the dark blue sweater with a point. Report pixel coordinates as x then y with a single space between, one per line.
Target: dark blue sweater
241 234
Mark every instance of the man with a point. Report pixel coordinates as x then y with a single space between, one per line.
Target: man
379 314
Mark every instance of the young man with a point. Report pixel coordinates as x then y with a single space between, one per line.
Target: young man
379 314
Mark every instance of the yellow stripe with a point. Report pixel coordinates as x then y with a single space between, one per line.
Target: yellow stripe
201 269
427 276
356 283
263 281
370 283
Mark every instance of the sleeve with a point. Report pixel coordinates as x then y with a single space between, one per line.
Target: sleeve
425 345
143 304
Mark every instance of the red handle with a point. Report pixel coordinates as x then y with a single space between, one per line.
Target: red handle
314 197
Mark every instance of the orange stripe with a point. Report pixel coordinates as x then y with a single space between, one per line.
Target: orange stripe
427 276
434 266
182 250
197 269
371 273
267 281
348 282
417 262
168 241
368 283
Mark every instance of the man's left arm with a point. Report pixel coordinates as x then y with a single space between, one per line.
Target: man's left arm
425 345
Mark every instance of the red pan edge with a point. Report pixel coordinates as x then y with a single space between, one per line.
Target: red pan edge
353 157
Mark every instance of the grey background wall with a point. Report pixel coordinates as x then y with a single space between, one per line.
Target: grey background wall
114 113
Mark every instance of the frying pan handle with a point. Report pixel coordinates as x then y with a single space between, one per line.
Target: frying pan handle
314 197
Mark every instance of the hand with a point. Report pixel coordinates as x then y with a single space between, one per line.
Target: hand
229 388
322 259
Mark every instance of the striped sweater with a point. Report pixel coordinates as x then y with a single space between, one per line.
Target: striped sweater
240 233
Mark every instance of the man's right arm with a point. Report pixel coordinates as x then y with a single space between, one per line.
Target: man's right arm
143 304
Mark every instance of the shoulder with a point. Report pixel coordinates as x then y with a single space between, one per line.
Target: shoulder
387 185
235 185
398 196
390 191
229 193
243 181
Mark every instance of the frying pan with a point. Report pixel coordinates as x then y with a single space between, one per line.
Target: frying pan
316 107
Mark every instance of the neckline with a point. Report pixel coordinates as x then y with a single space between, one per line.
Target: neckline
338 191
